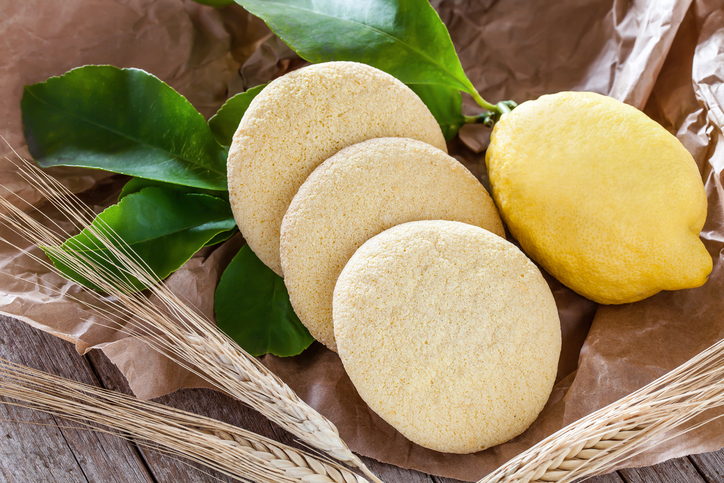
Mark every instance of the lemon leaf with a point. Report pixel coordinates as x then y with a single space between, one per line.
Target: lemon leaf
252 307
121 120
223 124
162 228
445 104
404 38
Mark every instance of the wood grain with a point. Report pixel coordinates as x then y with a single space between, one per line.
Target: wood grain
45 449
679 470
52 449
199 401
710 466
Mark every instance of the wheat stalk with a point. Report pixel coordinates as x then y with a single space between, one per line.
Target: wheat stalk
593 445
230 450
601 441
168 325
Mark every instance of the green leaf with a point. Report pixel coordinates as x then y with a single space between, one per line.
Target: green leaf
252 307
215 3
445 104
135 185
405 38
121 120
223 124
163 227
221 237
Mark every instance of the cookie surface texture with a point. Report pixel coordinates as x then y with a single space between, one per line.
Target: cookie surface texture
298 121
360 192
449 333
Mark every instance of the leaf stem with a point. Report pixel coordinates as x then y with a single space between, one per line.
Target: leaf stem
477 119
483 103
493 115
504 107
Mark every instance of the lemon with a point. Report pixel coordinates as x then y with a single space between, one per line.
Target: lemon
601 196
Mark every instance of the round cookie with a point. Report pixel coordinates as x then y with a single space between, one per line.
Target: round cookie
449 333
356 194
298 121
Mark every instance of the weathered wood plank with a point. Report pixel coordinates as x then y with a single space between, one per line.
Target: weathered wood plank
608 478
673 471
710 465
222 407
34 449
440 479
394 474
163 466
52 454
58 451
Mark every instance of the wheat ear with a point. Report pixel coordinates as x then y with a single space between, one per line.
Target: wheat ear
603 440
170 326
230 450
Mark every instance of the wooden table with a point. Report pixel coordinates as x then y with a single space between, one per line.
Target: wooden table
43 448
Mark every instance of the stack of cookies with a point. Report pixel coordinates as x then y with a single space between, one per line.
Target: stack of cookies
394 256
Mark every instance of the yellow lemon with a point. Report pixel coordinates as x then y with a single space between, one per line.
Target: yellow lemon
604 198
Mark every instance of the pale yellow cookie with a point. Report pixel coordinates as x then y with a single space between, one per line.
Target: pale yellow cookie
449 333
298 121
356 194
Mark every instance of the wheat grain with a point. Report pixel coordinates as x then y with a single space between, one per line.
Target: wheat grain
604 440
168 324
230 450
596 444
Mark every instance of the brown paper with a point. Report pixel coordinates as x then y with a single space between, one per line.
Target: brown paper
663 56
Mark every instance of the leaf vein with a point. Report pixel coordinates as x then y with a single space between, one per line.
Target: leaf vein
375 29
125 136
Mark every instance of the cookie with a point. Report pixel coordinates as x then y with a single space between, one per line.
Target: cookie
449 333
356 194
298 121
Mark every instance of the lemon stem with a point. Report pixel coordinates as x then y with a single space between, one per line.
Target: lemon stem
482 118
483 103
504 107
493 115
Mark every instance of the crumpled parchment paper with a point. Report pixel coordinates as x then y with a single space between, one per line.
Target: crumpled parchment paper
665 57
